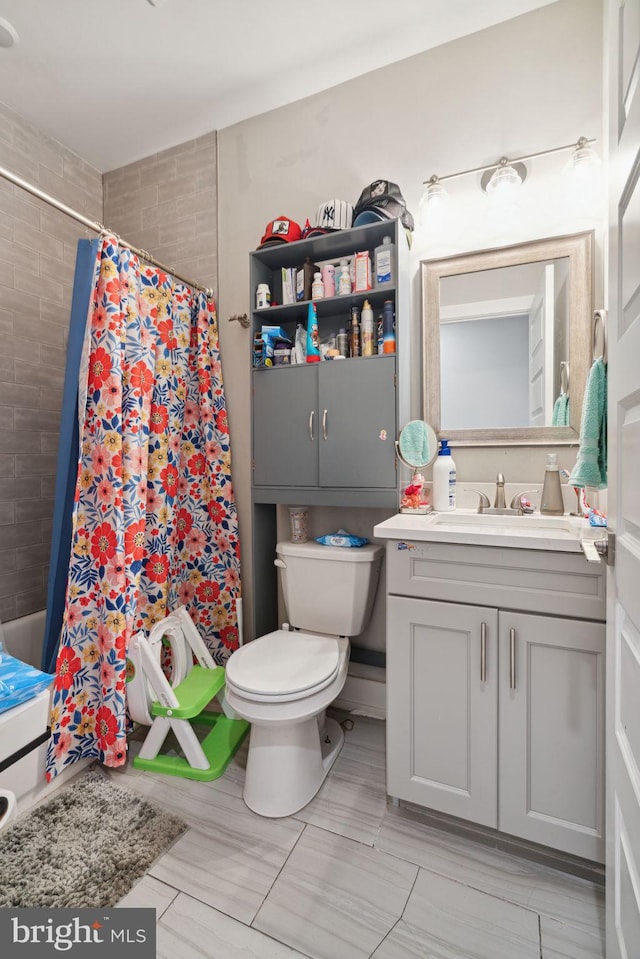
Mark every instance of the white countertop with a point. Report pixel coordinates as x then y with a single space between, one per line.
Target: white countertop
468 527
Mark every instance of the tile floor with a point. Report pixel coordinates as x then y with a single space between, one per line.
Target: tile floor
349 877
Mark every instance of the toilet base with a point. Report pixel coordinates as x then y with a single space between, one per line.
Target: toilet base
286 765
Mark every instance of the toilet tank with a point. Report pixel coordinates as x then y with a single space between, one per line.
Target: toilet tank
329 589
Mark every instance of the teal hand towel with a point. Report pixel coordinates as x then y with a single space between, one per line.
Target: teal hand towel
560 415
591 464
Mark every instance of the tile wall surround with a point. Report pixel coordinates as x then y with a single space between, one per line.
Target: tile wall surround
167 204
37 258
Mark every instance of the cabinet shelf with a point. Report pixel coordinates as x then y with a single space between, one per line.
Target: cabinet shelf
325 306
310 366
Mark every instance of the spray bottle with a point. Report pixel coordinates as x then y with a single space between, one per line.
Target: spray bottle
313 340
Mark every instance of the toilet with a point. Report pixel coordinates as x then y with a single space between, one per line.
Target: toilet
283 682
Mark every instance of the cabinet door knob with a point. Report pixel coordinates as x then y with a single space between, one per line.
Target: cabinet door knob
324 424
311 416
512 658
483 652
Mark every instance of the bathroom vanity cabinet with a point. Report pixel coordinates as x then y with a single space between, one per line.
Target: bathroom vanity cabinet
495 689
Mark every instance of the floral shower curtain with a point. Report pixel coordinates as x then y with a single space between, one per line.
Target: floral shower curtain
154 520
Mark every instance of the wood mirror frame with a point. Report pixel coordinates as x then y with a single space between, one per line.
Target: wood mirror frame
579 250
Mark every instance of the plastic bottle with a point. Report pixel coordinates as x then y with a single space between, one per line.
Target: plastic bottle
388 328
317 288
301 343
366 329
444 480
380 334
263 296
355 331
344 282
329 279
313 341
384 260
551 502
304 279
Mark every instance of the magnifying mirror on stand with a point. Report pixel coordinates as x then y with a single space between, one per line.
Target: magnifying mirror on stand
416 447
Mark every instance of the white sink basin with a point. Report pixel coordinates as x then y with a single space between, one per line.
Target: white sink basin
529 530
525 523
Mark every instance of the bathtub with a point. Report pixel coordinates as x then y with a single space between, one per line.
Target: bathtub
23 637
23 730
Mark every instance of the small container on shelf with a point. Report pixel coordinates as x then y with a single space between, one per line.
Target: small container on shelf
263 296
344 278
362 272
317 287
329 279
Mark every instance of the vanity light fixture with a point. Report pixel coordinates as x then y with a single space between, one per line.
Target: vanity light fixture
508 174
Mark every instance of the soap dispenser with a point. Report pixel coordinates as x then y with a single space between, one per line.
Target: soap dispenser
552 503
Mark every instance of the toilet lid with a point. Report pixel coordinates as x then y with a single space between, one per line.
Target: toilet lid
283 663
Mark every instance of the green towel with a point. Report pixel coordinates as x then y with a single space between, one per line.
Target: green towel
561 411
591 465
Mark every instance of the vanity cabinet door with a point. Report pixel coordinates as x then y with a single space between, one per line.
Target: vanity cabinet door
551 732
442 706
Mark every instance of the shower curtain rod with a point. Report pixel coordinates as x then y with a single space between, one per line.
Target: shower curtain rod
98 227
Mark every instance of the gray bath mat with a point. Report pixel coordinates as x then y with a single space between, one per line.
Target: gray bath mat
86 846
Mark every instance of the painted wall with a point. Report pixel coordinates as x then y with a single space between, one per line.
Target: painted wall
37 258
530 84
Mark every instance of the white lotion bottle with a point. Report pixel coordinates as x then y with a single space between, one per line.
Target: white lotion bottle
444 480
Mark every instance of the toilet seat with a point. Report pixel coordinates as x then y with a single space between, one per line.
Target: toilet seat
284 666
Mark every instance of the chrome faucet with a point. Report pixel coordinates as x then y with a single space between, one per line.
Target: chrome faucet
500 506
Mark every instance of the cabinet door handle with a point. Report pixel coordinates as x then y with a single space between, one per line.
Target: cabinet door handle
311 416
512 658
483 652
324 424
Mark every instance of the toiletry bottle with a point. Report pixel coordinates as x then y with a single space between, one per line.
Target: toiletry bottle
355 331
444 480
366 329
380 334
329 279
317 287
342 342
551 502
313 340
263 296
388 328
344 282
383 258
304 279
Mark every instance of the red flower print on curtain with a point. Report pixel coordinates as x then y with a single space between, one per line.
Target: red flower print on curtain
155 522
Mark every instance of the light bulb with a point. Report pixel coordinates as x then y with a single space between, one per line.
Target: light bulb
433 204
505 181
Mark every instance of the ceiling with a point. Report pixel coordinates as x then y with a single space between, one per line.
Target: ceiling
118 80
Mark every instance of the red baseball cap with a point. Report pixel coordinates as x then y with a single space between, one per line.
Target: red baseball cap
281 230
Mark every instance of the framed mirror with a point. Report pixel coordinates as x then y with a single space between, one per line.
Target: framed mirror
507 342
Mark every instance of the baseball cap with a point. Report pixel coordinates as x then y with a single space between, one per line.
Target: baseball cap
331 216
382 200
281 230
